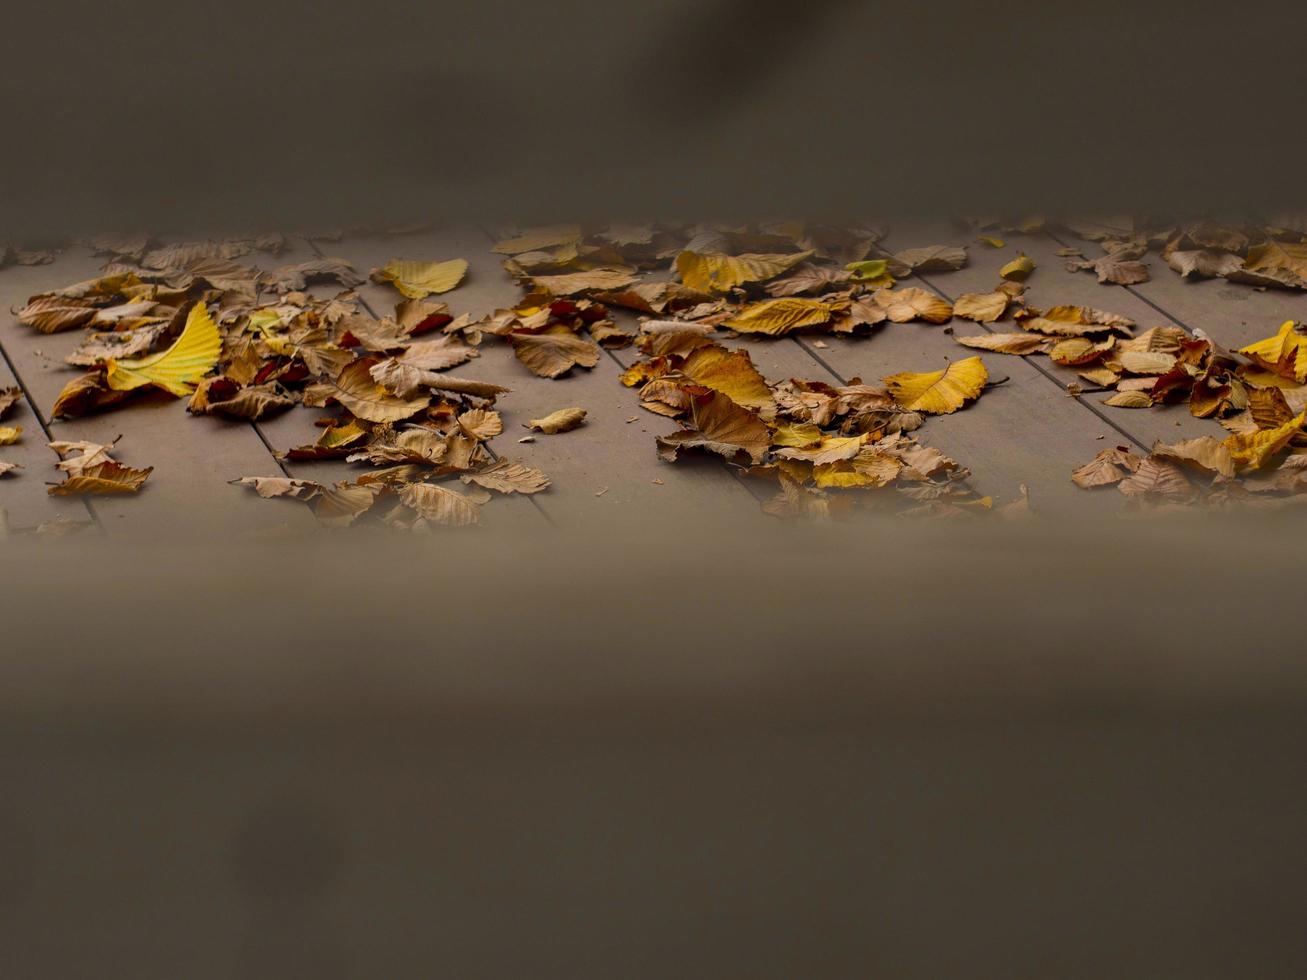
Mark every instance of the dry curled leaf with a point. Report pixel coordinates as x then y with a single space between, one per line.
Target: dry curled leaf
563 420
554 352
9 397
358 391
719 426
507 476
10 434
53 313
1019 269
940 392
1255 450
1108 468
417 280
933 258
731 372
102 478
440 505
1157 479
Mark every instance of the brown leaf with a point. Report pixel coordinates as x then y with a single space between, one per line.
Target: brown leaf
251 402
575 283
716 272
776 317
52 313
807 279
359 392
1204 452
1019 269
563 420
910 303
440 505
719 426
506 476
1130 399
933 258
280 486
554 352
103 478
1074 321
294 277
9 397
1156 478
85 394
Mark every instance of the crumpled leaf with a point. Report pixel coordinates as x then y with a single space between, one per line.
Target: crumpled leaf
940 392
358 391
102 478
223 396
78 455
731 372
279 486
417 280
1074 321
334 442
910 303
7 468
507 476
807 279
554 352
563 420
1255 450
716 272
1108 468
719 426
440 505
1116 267
1277 263
481 423
1203 263
1019 269
85 393
1203 452
179 368
1285 354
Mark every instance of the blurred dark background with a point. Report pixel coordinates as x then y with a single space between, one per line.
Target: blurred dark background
143 113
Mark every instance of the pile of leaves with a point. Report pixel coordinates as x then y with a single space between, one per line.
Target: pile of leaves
831 450
770 279
187 322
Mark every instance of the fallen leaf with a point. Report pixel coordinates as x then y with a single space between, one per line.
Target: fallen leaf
85 393
716 272
506 476
731 372
776 317
7 468
179 368
440 505
417 280
53 313
1129 399
1108 468
830 449
1282 263
719 426
933 258
807 279
563 420
481 423
1007 343
870 272
1253 451
940 392
1204 452
358 391
1019 269
10 434
1157 478
1284 354
280 486
1074 321
574 283
343 504
1114 268
982 307
554 352
1203 263
991 242
910 303
294 277
538 239
253 402
102 478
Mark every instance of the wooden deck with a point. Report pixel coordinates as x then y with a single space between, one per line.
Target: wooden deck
1027 431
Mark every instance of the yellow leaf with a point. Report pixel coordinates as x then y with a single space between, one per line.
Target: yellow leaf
417 280
779 316
180 367
715 272
982 307
1007 343
940 392
1285 353
731 372
831 449
1252 451
572 283
991 242
1019 269
9 434
359 392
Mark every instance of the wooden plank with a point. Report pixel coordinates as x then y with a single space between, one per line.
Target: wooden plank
605 470
194 457
1231 313
23 498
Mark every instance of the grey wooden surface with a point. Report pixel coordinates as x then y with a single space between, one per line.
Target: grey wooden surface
1028 430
